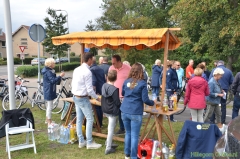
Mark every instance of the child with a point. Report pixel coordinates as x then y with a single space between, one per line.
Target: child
111 108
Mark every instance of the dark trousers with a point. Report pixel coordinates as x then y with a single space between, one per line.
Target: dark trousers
236 106
99 114
121 122
223 110
169 93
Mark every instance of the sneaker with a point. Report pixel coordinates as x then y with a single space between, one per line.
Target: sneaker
127 157
173 120
120 132
82 144
110 151
93 145
113 145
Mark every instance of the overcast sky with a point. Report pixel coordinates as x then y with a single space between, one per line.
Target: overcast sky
28 12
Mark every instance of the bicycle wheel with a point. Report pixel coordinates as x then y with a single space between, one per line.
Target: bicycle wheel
180 100
18 101
58 105
40 102
65 110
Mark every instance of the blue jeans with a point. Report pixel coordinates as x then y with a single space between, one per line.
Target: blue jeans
99 114
155 90
84 108
236 106
132 125
223 110
169 93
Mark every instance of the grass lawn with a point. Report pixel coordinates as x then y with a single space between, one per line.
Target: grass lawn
53 150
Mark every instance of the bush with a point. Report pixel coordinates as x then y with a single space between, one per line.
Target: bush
17 60
75 59
3 62
30 71
72 54
27 61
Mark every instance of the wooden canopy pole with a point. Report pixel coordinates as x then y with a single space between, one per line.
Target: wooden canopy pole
82 52
165 65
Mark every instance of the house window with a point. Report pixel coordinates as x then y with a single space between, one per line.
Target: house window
3 43
23 43
23 39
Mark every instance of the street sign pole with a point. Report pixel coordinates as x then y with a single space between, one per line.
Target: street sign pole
9 49
39 78
37 34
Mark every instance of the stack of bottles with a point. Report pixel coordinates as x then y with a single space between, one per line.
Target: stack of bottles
168 152
64 135
53 132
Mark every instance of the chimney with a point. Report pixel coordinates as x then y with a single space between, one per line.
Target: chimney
0 31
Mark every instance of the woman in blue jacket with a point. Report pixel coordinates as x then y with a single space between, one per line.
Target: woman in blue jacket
135 95
49 86
171 82
156 72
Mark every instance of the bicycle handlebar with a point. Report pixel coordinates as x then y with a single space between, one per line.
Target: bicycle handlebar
66 78
3 79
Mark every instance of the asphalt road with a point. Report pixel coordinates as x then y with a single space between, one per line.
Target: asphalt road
33 83
3 70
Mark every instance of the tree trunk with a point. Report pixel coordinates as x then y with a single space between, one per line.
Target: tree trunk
230 62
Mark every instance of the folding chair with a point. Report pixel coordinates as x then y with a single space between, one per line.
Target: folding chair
28 128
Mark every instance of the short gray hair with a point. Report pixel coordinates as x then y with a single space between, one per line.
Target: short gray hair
218 71
157 61
220 63
49 62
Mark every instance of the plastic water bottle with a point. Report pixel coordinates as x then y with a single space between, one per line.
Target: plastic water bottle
50 133
56 132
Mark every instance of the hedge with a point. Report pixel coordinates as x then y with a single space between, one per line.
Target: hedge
30 71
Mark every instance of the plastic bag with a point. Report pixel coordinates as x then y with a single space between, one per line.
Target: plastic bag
228 146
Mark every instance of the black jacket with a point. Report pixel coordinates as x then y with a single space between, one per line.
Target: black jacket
105 68
110 100
236 84
15 118
98 78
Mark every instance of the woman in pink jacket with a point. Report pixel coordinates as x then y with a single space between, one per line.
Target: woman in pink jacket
196 91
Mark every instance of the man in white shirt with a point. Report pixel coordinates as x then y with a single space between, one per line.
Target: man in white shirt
82 88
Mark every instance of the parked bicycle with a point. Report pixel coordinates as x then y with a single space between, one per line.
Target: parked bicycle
3 88
58 104
21 96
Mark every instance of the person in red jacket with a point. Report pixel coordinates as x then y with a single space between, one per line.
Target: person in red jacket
195 95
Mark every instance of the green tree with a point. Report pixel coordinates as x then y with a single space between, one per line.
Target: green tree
55 27
134 14
212 27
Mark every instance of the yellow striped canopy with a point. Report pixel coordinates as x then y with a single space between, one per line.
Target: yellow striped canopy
126 39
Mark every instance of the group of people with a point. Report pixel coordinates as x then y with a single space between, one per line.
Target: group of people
205 90
123 91
208 90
